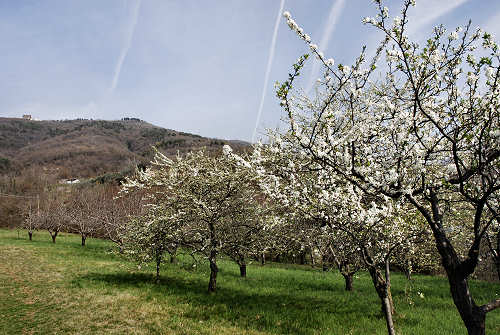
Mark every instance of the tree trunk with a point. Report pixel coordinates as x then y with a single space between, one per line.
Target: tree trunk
383 291
496 254
472 315
497 263
53 235
212 284
30 234
158 262
173 253
324 263
348 277
83 240
386 307
302 258
457 271
388 284
263 259
408 269
243 269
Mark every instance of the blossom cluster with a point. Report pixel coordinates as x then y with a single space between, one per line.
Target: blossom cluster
300 32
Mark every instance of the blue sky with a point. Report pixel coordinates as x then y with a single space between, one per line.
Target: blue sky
194 66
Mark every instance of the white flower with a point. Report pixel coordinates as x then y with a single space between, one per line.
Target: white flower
226 149
292 24
435 57
392 55
313 46
286 14
453 36
385 12
490 72
450 168
367 19
488 40
330 62
472 78
495 133
397 21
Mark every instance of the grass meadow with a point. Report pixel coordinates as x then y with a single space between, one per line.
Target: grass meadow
68 289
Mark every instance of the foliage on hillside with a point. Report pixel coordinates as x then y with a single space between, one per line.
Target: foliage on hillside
36 155
87 148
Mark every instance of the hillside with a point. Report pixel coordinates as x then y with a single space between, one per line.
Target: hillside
86 148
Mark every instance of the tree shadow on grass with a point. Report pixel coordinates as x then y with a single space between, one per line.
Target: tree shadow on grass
249 308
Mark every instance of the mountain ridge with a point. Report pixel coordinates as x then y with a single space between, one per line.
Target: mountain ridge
86 148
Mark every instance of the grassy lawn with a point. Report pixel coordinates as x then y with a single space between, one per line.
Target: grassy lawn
66 288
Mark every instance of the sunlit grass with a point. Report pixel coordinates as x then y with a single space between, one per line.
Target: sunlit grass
66 288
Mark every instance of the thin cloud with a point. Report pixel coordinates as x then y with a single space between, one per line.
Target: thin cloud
420 20
492 25
268 68
333 17
126 46
428 11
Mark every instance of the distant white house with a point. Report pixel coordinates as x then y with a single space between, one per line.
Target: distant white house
69 181
27 116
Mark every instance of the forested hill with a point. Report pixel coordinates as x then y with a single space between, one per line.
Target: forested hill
86 148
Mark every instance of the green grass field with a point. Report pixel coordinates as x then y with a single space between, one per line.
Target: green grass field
67 289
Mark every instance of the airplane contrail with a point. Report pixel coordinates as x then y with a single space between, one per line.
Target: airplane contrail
268 69
421 18
126 47
335 12
429 11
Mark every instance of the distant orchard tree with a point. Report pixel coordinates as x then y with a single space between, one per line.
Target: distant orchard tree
31 220
116 212
54 213
149 237
357 229
210 202
84 207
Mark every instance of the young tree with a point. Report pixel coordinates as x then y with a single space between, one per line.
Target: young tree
149 237
213 197
345 256
428 132
53 213
370 226
84 207
32 220
245 237
116 213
